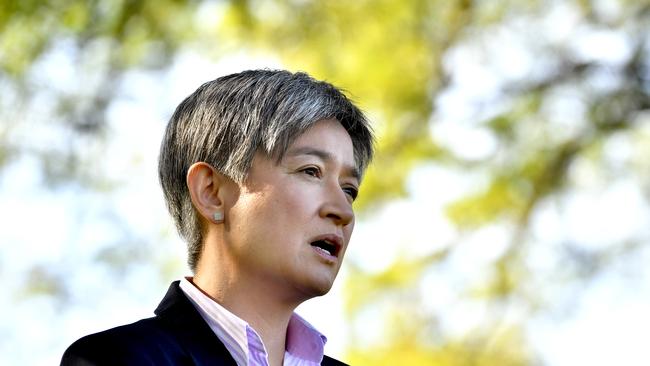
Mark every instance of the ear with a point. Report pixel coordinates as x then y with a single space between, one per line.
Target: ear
207 191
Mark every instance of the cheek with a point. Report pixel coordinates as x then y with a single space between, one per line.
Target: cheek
275 210
249 216
294 201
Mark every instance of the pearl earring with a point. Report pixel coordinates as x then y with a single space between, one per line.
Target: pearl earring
218 217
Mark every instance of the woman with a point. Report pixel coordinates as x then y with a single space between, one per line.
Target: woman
259 171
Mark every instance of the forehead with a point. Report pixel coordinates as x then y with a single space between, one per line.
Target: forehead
324 132
326 140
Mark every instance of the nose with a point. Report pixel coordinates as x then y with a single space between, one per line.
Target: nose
337 207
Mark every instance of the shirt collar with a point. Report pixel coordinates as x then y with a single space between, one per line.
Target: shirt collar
303 341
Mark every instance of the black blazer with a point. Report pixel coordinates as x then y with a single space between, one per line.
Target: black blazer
177 335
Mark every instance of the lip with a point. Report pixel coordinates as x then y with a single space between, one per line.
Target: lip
334 239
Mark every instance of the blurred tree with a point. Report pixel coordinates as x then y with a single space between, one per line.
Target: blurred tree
553 86
92 42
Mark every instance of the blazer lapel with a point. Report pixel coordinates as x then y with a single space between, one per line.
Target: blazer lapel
196 338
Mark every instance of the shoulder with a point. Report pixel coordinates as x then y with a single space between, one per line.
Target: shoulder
177 335
146 342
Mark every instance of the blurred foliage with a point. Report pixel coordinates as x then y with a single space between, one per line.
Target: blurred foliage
396 60
407 349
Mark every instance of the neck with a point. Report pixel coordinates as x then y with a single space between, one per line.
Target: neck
262 307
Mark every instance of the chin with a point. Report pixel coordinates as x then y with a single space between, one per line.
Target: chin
324 290
316 288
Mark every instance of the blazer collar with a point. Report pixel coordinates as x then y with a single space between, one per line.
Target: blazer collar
193 333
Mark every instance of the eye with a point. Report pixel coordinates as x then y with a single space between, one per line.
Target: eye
312 171
351 192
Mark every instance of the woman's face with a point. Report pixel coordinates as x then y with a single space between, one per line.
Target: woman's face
291 223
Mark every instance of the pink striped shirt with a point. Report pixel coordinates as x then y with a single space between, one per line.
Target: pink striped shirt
304 344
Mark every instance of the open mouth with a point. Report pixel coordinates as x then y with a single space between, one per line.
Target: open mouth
326 247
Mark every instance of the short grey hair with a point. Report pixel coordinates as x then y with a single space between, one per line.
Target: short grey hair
225 122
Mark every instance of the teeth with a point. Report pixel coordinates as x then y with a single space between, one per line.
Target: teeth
323 250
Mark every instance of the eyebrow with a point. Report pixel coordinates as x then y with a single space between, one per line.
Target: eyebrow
325 156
